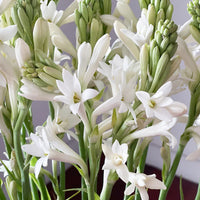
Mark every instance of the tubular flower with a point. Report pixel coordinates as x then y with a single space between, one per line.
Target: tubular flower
142 182
115 158
160 105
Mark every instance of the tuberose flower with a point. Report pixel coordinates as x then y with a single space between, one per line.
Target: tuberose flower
70 87
160 105
49 11
142 182
144 31
115 158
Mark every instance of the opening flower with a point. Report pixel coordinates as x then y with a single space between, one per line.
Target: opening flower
160 105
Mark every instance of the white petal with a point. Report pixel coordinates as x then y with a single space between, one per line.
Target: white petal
84 55
194 155
143 193
8 33
89 94
22 51
99 52
126 40
130 189
164 90
38 166
60 40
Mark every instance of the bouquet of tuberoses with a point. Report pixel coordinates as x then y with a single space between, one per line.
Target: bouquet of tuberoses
113 99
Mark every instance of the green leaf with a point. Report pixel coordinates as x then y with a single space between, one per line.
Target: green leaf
73 195
131 197
80 171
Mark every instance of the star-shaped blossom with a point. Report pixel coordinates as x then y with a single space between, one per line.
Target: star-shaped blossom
115 158
73 96
144 31
142 182
160 105
160 129
46 145
49 12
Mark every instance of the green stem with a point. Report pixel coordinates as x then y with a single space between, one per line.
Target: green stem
140 169
43 189
62 180
2 196
106 191
19 154
198 193
34 190
80 128
183 143
172 172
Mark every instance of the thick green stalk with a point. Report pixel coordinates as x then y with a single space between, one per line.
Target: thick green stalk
43 189
19 155
106 191
93 168
34 190
80 129
2 196
62 180
183 143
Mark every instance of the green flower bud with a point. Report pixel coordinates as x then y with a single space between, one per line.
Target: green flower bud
39 82
143 4
164 44
47 79
84 11
53 72
151 14
41 36
144 64
29 11
162 64
82 30
155 58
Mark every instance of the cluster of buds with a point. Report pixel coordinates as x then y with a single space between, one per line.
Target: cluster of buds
194 10
43 72
157 10
88 21
162 49
24 15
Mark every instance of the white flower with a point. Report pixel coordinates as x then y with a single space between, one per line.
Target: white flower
60 40
159 129
161 106
8 32
33 92
22 52
130 44
88 62
122 75
72 94
49 11
115 158
144 31
4 4
64 120
46 145
142 182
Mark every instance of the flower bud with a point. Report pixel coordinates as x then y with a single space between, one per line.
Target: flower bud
22 52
